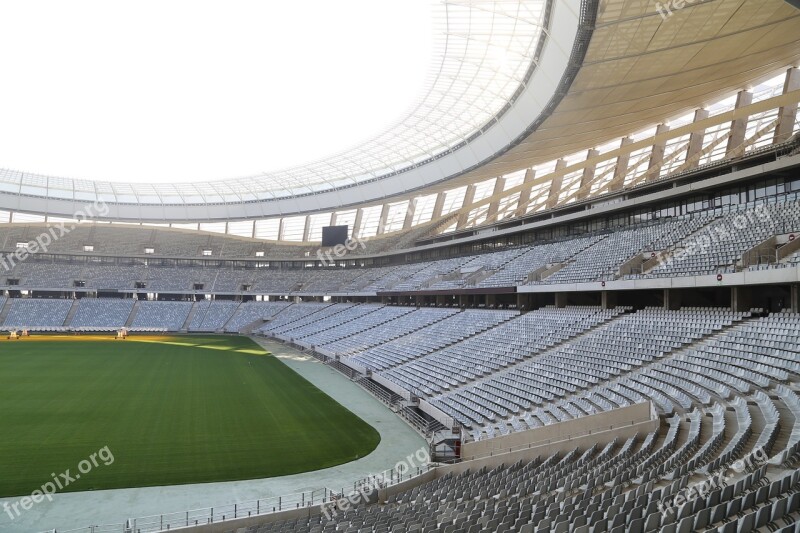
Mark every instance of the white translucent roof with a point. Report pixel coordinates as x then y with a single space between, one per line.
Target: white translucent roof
483 51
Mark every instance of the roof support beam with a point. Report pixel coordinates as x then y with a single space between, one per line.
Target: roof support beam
438 206
657 155
357 223
587 176
787 115
280 229
307 228
555 185
499 185
739 125
382 220
412 207
621 168
469 197
696 138
525 193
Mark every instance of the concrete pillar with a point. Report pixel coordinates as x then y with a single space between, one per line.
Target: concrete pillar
741 299
438 206
794 299
382 220
523 302
307 229
499 186
357 223
561 299
587 176
469 197
525 193
412 206
739 126
280 230
555 185
621 168
657 155
491 299
672 299
787 115
608 299
696 138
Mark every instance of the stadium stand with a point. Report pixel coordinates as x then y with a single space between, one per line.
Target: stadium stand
160 316
212 315
38 315
101 313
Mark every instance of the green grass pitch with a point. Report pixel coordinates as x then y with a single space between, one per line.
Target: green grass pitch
172 410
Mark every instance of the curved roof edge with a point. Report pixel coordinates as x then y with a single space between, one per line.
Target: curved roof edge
565 42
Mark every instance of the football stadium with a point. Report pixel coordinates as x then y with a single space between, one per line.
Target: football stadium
468 266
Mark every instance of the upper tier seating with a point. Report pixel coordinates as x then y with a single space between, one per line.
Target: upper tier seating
697 244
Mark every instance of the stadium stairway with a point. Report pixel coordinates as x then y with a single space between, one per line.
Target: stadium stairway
133 314
5 310
72 311
189 317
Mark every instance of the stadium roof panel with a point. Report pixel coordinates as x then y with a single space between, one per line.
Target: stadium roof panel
482 53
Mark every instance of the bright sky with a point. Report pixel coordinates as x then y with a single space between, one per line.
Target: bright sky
187 90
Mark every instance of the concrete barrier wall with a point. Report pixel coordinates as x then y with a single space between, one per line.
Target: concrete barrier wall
609 420
601 438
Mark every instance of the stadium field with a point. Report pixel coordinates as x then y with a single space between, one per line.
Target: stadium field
169 409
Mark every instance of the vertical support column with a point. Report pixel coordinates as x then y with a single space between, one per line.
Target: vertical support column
608 299
555 185
787 115
621 168
499 186
739 125
657 155
382 220
334 217
741 299
307 228
412 207
522 302
469 197
794 299
525 193
561 299
587 176
696 138
438 206
491 300
280 229
672 299
357 223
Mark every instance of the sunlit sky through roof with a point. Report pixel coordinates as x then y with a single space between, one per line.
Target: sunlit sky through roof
178 90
